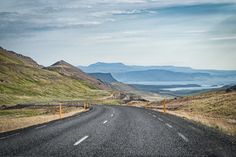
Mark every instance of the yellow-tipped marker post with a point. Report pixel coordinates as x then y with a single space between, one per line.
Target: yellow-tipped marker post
60 111
164 106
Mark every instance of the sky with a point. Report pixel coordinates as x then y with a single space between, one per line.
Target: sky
196 33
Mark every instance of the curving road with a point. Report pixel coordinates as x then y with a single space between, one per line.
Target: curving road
117 131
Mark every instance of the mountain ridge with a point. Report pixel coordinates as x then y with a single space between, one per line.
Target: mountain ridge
133 73
69 70
116 68
104 77
22 80
11 57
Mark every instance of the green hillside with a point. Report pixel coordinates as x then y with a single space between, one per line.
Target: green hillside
22 80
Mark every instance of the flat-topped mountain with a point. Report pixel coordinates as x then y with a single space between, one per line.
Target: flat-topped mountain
101 67
120 68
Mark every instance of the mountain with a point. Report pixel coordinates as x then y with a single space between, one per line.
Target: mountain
120 67
101 67
10 57
133 73
158 75
69 70
22 80
104 77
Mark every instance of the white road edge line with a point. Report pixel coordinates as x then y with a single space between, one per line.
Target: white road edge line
9 136
41 127
154 116
105 122
160 119
170 126
183 137
81 140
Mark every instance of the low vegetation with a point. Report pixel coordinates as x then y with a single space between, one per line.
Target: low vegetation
30 94
22 116
24 81
27 85
216 109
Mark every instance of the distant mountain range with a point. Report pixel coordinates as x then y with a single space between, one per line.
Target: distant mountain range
159 75
120 67
133 73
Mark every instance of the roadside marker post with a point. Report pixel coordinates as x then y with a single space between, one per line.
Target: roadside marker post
164 106
60 111
86 105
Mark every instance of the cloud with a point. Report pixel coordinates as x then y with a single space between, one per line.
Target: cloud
159 27
223 38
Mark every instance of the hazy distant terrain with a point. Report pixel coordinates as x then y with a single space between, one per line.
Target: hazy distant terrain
166 79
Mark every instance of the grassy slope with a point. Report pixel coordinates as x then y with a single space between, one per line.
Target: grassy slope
23 82
216 109
69 70
215 104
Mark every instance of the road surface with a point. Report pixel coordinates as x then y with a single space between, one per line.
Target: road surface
117 131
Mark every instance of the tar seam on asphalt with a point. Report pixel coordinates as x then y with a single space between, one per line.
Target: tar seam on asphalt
105 122
81 140
183 137
9 136
170 126
41 127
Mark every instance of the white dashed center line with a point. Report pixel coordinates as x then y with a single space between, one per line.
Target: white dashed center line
154 116
160 119
81 140
183 137
170 126
9 136
112 115
105 122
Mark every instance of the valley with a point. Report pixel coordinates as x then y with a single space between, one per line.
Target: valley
28 89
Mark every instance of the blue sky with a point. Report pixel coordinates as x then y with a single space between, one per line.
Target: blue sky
196 33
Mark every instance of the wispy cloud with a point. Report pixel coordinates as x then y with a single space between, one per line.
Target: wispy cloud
47 15
224 38
157 26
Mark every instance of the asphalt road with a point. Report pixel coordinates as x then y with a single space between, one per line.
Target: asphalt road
117 131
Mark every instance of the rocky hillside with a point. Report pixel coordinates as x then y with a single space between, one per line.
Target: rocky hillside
105 77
